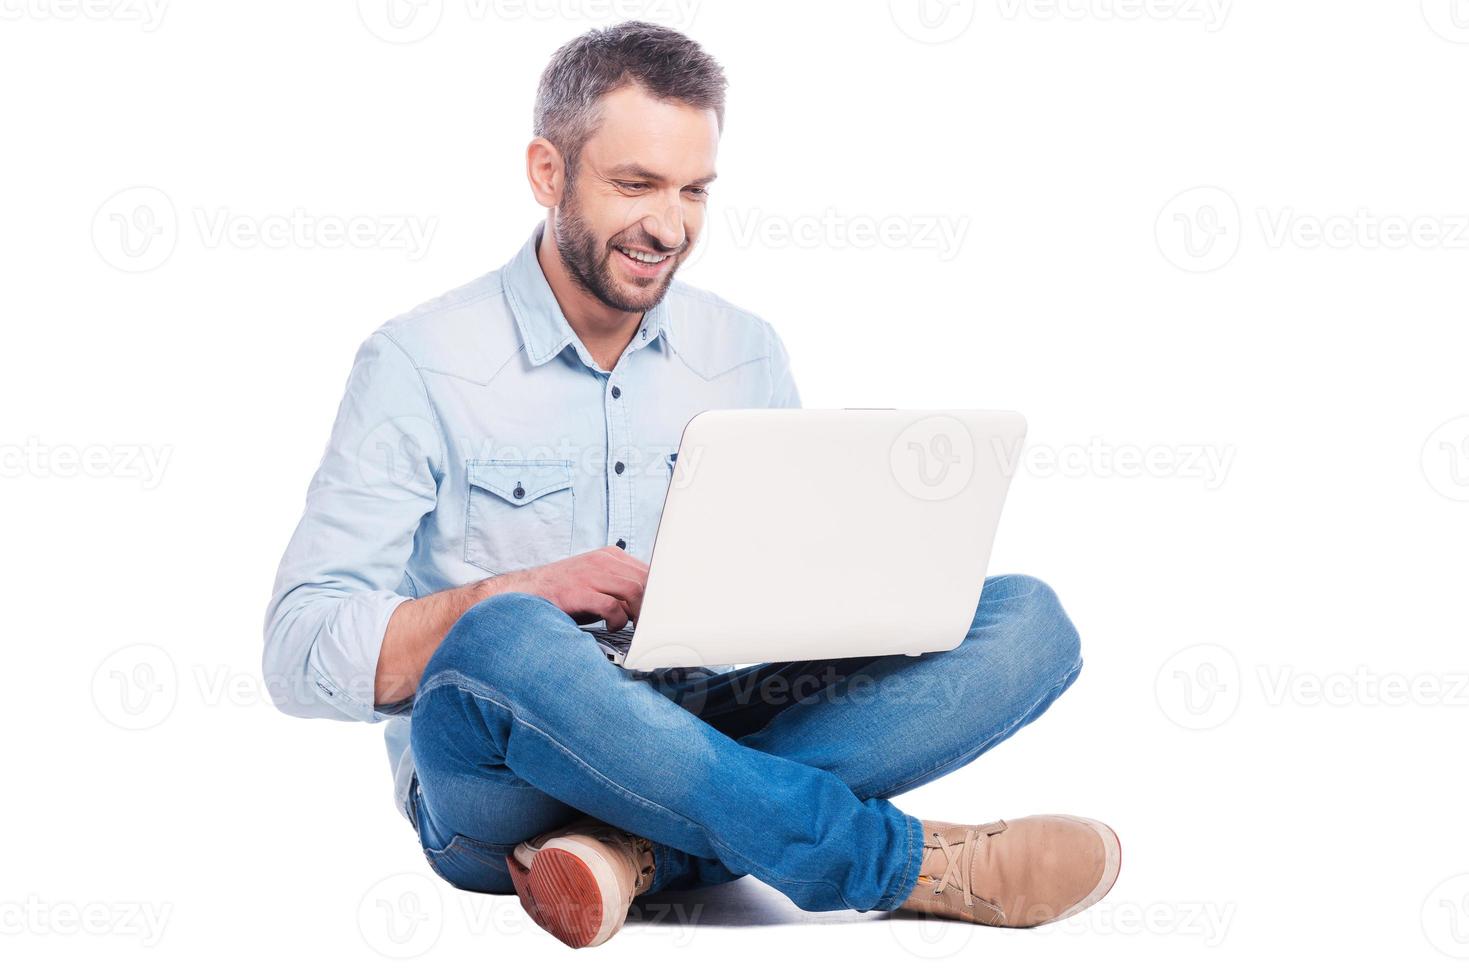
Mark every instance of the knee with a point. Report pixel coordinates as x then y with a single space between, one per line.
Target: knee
472 866
1041 634
510 613
494 634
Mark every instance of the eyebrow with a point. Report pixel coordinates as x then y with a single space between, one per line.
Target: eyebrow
639 172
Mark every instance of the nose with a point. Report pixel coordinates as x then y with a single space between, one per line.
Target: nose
666 225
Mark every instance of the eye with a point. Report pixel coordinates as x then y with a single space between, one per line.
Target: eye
697 191
632 185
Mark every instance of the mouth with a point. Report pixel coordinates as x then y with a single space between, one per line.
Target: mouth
643 265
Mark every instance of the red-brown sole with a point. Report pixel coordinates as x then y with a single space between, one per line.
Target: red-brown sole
560 893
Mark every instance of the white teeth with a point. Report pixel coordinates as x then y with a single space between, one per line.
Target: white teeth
644 257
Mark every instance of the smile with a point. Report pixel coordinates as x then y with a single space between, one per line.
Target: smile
643 261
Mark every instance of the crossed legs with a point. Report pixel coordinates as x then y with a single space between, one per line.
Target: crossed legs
777 770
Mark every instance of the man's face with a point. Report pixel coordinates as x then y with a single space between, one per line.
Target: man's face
636 203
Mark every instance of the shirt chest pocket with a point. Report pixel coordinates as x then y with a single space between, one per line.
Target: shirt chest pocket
519 513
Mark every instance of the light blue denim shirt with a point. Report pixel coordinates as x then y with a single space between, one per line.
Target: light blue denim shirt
477 436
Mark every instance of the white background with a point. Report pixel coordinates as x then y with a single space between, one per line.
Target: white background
1274 640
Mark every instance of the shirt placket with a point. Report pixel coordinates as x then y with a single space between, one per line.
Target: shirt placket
619 471
621 452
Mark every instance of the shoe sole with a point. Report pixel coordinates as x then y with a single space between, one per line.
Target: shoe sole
1111 867
569 892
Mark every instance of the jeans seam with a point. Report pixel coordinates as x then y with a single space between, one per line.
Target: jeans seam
465 685
896 895
661 853
992 739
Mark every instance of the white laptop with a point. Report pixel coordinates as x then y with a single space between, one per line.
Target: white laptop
801 534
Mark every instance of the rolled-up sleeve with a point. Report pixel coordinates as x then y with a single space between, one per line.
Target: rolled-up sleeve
342 574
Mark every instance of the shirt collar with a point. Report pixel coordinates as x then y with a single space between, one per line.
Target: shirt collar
543 327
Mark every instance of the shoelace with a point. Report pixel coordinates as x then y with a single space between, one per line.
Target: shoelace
645 865
956 871
643 846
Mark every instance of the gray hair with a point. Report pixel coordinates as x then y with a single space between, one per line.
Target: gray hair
669 65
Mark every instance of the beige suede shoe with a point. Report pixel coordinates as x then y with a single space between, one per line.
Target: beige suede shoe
1023 872
578 882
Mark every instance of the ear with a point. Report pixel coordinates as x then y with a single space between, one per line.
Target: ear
546 171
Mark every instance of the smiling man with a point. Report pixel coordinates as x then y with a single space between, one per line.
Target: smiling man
473 555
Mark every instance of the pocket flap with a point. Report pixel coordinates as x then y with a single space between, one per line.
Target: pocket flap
518 481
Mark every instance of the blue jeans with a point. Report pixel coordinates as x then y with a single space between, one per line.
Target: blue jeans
781 771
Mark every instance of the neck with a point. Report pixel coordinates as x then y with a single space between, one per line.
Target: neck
603 331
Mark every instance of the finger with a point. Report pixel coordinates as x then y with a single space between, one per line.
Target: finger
597 557
610 608
628 588
615 556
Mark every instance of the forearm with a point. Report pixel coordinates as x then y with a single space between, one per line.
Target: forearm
415 630
606 584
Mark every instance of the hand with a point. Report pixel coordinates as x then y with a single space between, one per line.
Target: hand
604 584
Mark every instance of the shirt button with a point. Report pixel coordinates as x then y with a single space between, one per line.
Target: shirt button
616 392
618 468
622 544
518 492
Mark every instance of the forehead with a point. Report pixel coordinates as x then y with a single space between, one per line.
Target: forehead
667 137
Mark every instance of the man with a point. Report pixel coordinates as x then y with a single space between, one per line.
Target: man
474 547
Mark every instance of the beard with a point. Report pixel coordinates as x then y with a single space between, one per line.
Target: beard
589 260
